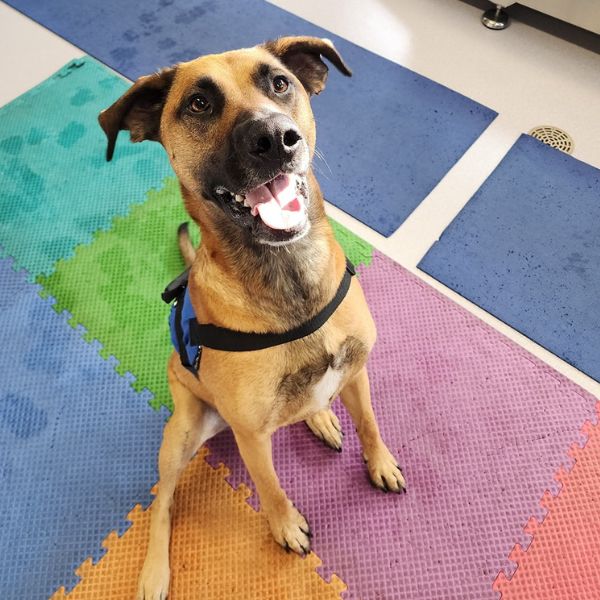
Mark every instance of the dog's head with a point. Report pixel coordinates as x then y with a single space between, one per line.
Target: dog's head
238 129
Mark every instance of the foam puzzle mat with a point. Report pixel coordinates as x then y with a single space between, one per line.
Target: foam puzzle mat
426 126
127 268
526 249
56 188
71 436
220 549
562 560
480 427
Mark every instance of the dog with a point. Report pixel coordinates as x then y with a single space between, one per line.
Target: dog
240 134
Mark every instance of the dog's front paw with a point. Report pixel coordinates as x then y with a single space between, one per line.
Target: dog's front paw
154 580
326 426
384 471
290 529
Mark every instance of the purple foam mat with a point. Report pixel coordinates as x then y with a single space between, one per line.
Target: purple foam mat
480 427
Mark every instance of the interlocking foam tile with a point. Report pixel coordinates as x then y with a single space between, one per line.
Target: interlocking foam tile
479 426
56 187
357 250
220 548
563 557
380 164
126 268
77 445
526 249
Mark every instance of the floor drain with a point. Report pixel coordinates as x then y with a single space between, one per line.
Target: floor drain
555 137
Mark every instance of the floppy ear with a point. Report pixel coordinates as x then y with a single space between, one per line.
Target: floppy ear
302 56
139 110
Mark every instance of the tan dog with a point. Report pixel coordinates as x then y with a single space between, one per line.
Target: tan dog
240 134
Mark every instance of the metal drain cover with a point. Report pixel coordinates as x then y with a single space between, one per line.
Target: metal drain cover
555 137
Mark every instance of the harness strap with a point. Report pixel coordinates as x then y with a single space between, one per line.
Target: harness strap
220 338
176 287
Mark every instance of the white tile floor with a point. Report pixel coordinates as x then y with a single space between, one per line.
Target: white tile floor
530 77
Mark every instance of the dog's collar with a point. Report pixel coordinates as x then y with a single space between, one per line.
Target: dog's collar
230 340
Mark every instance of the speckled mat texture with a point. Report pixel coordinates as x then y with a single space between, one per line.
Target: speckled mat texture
526 249
56 188
221 549
425 126
480 427
77 445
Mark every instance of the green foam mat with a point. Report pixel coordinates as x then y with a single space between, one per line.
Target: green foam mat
357 250
56 188
112 286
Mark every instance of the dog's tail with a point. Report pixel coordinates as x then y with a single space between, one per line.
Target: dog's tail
185 244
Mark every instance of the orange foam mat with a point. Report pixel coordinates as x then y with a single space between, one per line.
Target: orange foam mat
220 548
563 560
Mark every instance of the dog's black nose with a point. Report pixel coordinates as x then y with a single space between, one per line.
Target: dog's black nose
271 139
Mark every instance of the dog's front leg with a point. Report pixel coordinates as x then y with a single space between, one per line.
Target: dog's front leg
381 463
288 525
192 423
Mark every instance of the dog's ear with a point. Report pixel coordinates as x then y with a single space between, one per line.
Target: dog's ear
303 57
139 110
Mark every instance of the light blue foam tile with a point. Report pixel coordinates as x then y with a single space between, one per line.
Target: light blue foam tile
56 188
78 445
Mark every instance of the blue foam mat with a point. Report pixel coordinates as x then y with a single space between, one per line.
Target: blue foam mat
56 188
526 248
388 134
77 445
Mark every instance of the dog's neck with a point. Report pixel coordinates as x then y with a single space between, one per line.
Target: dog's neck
275 287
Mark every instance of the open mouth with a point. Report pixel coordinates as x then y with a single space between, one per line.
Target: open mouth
280 203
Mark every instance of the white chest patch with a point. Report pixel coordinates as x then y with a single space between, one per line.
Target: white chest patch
326 387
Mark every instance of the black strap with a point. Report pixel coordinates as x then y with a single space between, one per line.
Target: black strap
220 338
176 287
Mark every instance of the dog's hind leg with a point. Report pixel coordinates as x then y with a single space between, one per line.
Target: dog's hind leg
326 426
193 422
383 467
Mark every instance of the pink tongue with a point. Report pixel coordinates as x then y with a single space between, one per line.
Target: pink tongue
277 203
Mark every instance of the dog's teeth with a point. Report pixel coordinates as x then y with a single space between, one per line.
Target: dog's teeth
239 198
246 203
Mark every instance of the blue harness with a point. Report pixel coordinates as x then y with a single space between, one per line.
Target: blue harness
189 337
181 315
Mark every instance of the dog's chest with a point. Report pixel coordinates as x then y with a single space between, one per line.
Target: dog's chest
312 387
326 388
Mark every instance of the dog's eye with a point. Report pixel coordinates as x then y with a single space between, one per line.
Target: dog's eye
280 84
199 104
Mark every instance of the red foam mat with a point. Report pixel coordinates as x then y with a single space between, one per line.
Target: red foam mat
563 560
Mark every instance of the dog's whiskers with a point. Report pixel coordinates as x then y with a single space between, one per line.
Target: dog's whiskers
322 157
316 167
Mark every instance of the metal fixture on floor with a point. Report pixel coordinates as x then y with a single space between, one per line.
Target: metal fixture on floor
555 137
495 18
